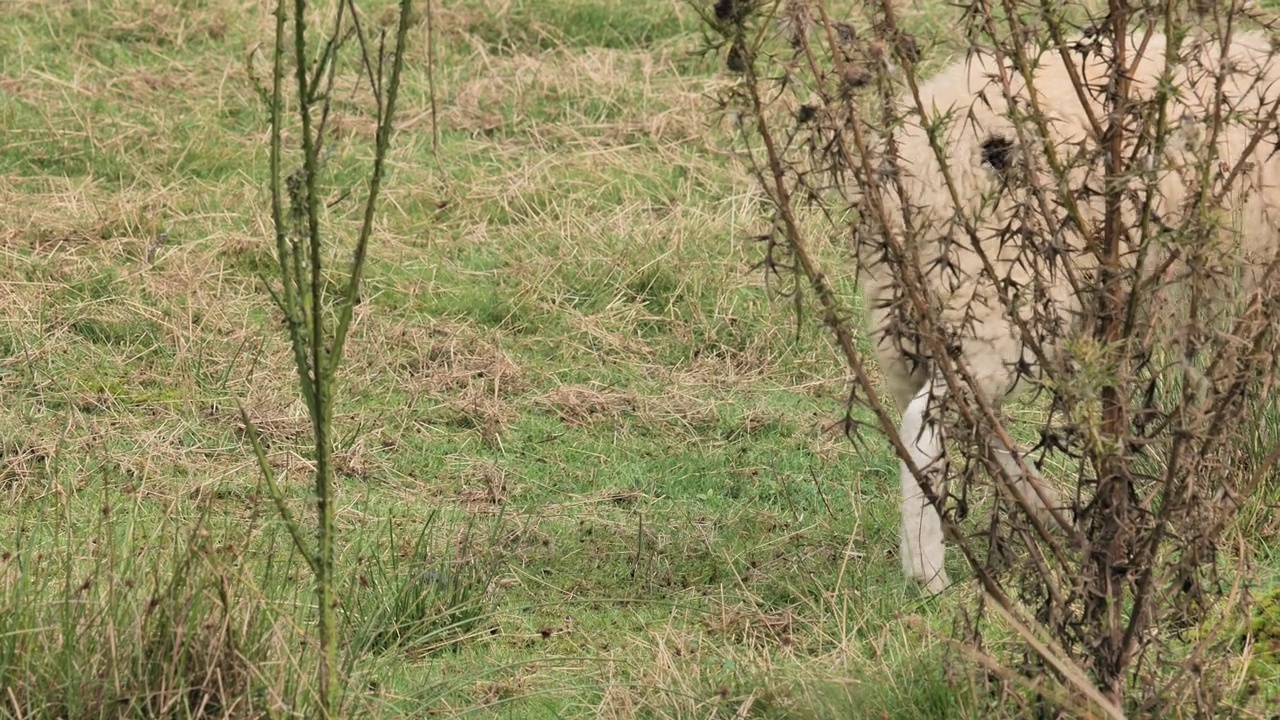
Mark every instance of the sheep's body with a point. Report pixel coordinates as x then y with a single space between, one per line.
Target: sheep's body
991 344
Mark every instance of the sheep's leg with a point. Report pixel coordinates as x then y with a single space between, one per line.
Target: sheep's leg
922 548
1027 484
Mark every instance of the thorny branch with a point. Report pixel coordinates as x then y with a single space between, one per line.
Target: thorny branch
1115 256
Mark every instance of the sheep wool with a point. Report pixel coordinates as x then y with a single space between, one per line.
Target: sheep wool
1029 240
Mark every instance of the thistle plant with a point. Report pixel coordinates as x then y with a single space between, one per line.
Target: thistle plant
318 326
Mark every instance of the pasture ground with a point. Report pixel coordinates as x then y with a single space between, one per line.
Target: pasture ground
584 457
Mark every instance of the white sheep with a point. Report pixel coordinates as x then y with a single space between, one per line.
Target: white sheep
982 147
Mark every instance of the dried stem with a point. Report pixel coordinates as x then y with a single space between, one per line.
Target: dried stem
1093 234
317 351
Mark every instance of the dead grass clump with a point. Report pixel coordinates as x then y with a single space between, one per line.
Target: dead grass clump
689 411
682 674
280 427
683 405
161 24
474 409
485 486
361 459
629 93
617 497
469 378
587 404
250 253
143 85
452 359
67 215
51 237
753 420
22 459
747 625
613 331
722 366
352 125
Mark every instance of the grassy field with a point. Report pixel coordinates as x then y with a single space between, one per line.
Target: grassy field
585 464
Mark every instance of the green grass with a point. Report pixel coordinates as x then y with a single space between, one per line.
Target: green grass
583 464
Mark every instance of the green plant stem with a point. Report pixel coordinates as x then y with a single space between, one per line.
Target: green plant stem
277 495
288 300
300 256
322 386
382 144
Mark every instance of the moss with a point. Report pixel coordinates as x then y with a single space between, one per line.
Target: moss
1264 630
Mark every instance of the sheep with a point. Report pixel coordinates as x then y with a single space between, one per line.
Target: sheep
982 149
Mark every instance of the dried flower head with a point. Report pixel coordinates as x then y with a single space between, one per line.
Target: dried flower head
732 11
736 60
845 34
907 47
853 76
795 21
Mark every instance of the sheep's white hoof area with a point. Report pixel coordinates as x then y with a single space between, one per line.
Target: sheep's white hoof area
938 583
919 566
935 583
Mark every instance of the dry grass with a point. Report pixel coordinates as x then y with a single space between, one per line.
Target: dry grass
560 352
